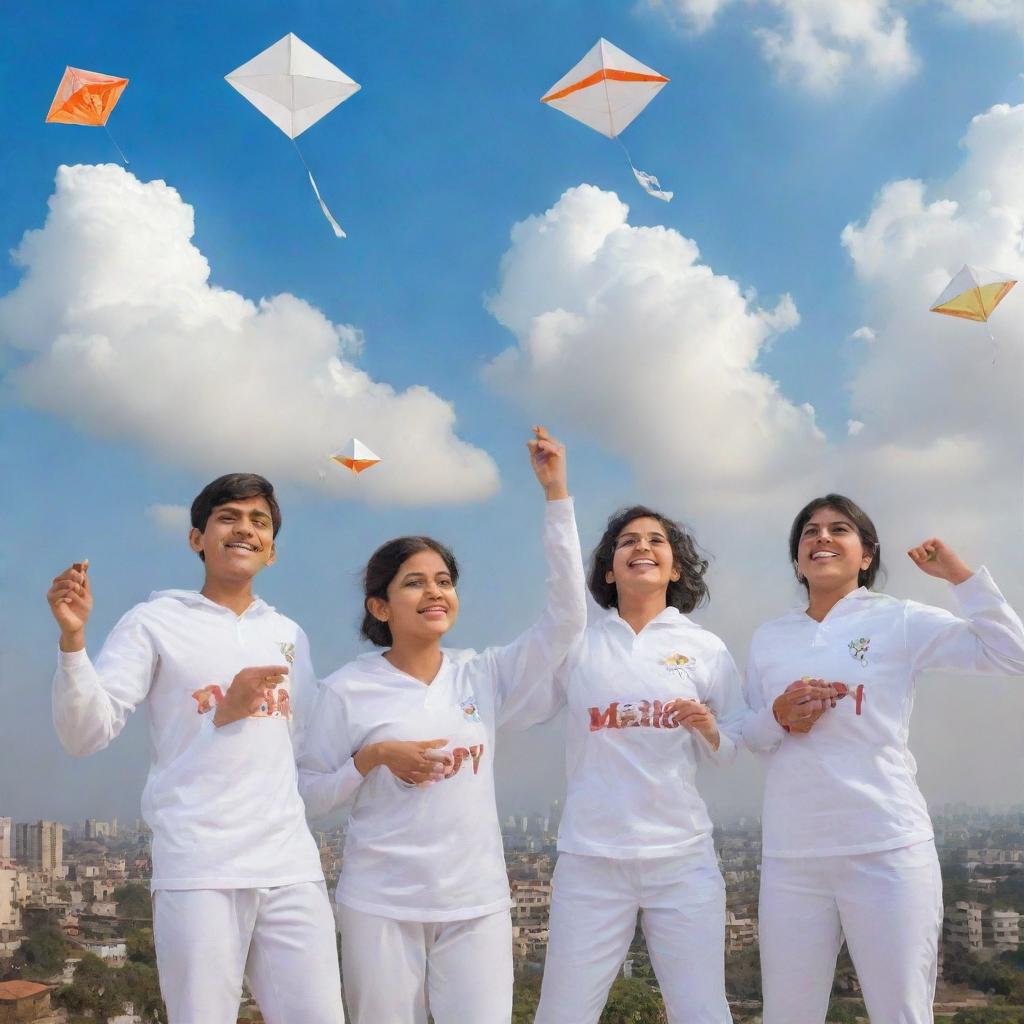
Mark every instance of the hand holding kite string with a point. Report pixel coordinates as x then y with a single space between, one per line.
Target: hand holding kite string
547 457
70 600
248 690
802 703
696 717
938 559
415 762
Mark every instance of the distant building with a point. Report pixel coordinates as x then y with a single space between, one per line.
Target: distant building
24 1001
740 932
6 838
10 912
1000 929
962 925
40 845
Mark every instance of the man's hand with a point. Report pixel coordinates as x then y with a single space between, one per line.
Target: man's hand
248 690
70 599
547 457
802 703
696 717
936 558
413 761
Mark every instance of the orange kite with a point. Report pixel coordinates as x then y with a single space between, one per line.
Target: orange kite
85 97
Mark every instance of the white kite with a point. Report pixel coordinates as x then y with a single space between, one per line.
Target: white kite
356 457
606 91
294 86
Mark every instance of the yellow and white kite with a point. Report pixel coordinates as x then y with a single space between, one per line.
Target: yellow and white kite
973 294
294 86
606 91
356 457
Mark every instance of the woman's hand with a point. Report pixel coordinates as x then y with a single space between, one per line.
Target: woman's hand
695 717
802 703
938 559
70 600
547 457
412 761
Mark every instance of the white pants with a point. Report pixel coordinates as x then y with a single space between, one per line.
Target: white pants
594 906
398 971
280 939
889 907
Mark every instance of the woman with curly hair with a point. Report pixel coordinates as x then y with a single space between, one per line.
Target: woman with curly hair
649 693
848 849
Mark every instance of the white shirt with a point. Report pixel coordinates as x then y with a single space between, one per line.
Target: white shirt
848 786
223 803
434 853
631 770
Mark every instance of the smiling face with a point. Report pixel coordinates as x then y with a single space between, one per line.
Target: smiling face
238 539
831 554
421 601
642 559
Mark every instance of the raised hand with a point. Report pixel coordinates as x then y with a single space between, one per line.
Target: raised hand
802 703
70 600
936 558
547 457
413 761
248 690
696 717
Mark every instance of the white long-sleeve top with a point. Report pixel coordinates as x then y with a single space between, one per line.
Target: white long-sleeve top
223 803
631 768
848 786
434 853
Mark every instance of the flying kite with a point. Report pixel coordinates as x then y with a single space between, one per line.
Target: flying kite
973 293
86 97
606 90
356 457
294 86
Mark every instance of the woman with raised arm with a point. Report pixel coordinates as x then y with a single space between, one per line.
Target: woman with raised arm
649 693
423 897
848 848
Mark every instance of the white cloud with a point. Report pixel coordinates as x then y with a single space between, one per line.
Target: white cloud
854 427
175 519
121 331
1009 12
865 334
635 341
694 15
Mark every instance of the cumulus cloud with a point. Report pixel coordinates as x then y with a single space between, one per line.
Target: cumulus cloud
694 15
649 350
120 330
174 519
1008 12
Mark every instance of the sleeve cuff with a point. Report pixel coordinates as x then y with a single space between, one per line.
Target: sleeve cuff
977 592
761 731
559 511
72 659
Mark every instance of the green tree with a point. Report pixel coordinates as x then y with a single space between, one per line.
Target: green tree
141 947
42 951
632 1001
526 997
743 975
133 901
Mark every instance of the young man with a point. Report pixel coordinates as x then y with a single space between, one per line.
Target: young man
237 882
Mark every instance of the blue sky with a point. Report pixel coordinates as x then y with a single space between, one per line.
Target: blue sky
428 168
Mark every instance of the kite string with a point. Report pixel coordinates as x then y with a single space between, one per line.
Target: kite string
116 146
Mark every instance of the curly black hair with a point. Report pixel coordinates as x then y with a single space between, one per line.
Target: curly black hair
688 592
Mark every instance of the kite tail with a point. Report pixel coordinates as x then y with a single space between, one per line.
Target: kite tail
992 338
336 227
648 182
116 146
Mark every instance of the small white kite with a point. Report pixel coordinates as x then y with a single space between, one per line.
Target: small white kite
356 457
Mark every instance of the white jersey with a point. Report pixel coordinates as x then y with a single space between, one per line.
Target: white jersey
223 803
631 767
848 786
434 853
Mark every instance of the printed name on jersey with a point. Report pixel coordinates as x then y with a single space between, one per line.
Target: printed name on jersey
644 714
459 755
276 702
859 649
469 709
678 664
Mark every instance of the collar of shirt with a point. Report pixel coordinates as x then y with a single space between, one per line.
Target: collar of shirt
195 599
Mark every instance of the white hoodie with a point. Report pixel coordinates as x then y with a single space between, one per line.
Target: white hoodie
848 786
434 853
222 803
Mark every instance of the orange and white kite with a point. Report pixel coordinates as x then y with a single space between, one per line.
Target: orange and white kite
86 97
606 91
356 457
973 294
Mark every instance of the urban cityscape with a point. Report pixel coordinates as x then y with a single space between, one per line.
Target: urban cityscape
76 940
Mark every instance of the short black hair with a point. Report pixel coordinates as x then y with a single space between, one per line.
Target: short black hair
862 524
383 567
688 592
234 487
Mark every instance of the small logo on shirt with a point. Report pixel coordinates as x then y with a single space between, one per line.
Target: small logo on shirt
859 649
644 714
678 664
288 650
468 708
